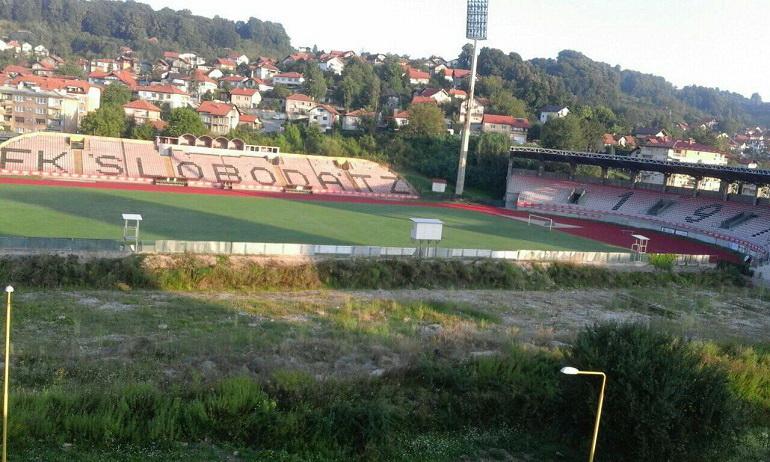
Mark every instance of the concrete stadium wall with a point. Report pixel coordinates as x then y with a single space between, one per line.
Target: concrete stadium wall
307 250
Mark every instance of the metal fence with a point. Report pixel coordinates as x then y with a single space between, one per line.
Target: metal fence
56 244
38 245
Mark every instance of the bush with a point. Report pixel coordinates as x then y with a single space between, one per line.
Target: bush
662 402
662 261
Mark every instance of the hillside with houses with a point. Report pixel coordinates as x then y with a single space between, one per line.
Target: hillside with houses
347 102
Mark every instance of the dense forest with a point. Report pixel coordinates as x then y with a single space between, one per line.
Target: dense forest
101 27
636 98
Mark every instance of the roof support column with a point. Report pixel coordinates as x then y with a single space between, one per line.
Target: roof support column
695 188
540 167
605 172
756 193
572 170
666 178
724 189
634 178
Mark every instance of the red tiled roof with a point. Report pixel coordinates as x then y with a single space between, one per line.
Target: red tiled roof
162 89
200 76
215 108
298 97
12 69
268 66
170 54
226 62
461 73
248 118
52 83
328 108
418 74
456 92
141 104
243 91
360 113
431 91
123 76
423 100
401 115
506 120
233 78
158 124
680 144
289 75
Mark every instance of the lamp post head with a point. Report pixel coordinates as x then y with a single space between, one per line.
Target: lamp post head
9 289
569 371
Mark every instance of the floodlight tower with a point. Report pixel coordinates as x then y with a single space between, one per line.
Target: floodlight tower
476 29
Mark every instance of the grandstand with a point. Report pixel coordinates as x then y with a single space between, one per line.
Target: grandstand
735 221
196 161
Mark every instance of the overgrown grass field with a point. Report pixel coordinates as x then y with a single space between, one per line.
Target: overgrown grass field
45 211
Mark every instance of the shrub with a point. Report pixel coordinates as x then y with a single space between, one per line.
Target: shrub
662 261
662 402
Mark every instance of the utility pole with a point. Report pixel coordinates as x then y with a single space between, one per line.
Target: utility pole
476 29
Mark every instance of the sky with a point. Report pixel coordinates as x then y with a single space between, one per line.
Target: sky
715 43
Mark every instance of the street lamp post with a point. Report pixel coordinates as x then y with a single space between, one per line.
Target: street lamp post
574 371
476 29
7 368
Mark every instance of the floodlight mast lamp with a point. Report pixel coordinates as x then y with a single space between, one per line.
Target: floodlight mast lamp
476 29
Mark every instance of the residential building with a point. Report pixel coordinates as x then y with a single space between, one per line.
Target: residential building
141 112
218 117
477 111
645 133
103 65
290 79
417 77
515 128
245 98
225 64
323 116
107 78
353 121
439 95
400 119
298 106
164 94
43 69
249 121
680 151
333 64
40 50
553 112
88 96
265 71
458 94
28 110
233 81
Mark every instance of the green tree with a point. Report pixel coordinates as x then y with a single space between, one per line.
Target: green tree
360 86
563 133
664 403
315 82
184 120
141 132
106 121
70 70
425 120
116 95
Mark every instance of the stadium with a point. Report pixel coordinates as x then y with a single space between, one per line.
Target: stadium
87 179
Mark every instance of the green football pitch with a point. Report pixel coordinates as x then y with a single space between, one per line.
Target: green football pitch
52 211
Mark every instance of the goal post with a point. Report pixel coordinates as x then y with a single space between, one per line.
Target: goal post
540 220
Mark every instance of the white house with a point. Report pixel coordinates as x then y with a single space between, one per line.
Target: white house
401 119
515 128
40 50
553 112
219 118
332 64
164 94
26 48
418 77
245 98
290 79
352 120
439 95
298 105
477 111
216 74
680 151
323 116
265 71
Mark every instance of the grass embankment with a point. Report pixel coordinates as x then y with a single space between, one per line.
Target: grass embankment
44 211
187 272
108 375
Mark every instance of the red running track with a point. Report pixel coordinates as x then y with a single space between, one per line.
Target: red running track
603 232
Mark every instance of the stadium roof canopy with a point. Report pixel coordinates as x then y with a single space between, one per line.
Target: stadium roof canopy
722 172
